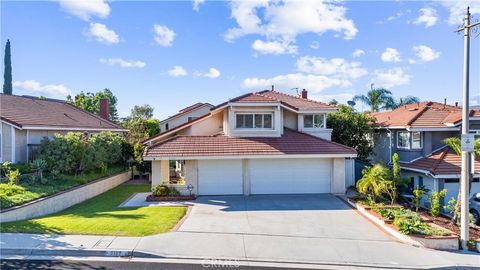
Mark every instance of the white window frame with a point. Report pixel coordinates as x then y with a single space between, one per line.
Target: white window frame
253 116
410 140
323 115
421 140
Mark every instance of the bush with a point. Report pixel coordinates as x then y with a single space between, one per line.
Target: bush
417 197
163 190
435 204
77 152
10 190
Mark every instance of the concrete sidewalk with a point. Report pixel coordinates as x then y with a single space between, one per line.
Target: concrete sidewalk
241 247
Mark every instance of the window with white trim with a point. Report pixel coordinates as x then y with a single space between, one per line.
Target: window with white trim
254 120
314 121
410 140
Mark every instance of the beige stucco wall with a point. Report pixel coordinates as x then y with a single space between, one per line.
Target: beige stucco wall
289 119
20 146
6 142
177 121
338 176
160 172
209 126
61 201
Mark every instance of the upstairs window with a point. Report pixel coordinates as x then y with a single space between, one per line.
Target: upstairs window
314 121
410 140
254 120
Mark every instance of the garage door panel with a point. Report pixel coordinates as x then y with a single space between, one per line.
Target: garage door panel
288 176
220 177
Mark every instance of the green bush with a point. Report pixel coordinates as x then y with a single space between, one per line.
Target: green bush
435 204
77 152
417 197
163 190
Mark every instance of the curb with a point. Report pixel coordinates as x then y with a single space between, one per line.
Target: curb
77 253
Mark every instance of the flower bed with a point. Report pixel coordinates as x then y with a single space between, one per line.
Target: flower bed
408 226
152 198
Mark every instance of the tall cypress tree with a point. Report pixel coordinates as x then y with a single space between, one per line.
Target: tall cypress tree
7 75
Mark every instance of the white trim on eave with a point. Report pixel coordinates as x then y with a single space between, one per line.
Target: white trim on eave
10 124
183 113
250 157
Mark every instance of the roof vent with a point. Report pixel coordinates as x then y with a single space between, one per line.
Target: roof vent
413 109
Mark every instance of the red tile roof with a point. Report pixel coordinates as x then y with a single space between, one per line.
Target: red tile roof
421 115
270 96
441 162
290 143
31 111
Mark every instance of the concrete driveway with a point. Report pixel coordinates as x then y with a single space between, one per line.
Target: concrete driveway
322 216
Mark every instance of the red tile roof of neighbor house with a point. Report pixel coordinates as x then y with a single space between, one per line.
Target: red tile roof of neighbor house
290 143
421 115
24 111
441 162
270 96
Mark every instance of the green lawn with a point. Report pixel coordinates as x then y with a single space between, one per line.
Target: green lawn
102 216
35 190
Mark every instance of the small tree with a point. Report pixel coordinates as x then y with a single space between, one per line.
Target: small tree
417 197
373 181
352 129
435 202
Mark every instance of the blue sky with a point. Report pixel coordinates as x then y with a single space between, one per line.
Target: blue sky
170 54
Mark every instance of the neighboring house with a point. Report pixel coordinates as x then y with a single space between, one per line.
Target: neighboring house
258 143
185 115
25 121
416 132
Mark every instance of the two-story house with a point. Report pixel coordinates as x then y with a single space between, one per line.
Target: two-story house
266 142
416 132
184 115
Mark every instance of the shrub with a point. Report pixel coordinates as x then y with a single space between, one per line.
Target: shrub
417 197
435 204
10 190
372 181
163 190
78 152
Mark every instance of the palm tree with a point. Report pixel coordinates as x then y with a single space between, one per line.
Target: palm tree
393 104
376 98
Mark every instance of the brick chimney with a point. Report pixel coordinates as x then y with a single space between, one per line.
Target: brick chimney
104 108
304 94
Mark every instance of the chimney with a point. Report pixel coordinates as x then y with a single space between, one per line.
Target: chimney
104 108
304 94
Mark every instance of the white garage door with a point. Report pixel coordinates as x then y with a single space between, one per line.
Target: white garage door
220 177
284 176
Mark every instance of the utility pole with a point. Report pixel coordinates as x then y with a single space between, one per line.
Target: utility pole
466 160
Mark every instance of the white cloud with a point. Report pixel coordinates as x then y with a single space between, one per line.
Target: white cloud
394 17
428 17
391 55
314 83
212 73
197 3
122 63
335 67
273 47
425 53
102 34
315 45
342 98
411 61
177 71
85 9
36 88
391 77
358 53
163 35
458 9
282 21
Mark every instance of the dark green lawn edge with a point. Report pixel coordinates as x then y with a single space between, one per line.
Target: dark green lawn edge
3 210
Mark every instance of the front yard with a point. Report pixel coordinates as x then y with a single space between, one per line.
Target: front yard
32 190
102 216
